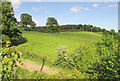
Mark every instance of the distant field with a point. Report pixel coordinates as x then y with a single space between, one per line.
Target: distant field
46 44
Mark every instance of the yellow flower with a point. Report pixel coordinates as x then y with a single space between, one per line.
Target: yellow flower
7 42
18 52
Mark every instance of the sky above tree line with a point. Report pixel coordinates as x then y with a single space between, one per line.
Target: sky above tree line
100 14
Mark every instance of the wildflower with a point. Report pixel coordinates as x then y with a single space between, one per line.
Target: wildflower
7 42
12 48
20 53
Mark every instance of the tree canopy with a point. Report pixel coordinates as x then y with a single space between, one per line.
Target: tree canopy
26 20
9 22
52 24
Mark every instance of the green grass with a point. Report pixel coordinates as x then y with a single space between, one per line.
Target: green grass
46 44
41 45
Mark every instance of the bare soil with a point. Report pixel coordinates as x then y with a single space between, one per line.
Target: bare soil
32 66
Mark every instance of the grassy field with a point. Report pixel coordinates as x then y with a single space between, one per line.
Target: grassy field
46 44
40 45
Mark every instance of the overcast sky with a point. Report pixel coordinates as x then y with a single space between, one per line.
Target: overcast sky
102 14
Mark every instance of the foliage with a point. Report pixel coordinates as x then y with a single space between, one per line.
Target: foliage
105 32
104 64
119 30
5 38
62 58
28 28
78 59
112 31
9 22
26 20
25 74
52 25
80 27
108 66
33 24
9 58
76 74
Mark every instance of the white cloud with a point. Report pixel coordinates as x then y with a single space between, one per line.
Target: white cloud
74 9
86 8
103 7
45 6
16 4
95 5
78 8
35 9
40 7
113 5
47 12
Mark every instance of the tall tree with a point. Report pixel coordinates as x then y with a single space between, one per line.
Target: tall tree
33 24
112 31
105 32
0 18
52 24
91 27
81 27
9 22
26 19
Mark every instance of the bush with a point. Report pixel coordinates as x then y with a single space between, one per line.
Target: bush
5 38
108 66
102 64
81 59
62 58
9 58
28 28
78 75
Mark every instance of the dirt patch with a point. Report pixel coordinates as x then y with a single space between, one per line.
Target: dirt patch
32 66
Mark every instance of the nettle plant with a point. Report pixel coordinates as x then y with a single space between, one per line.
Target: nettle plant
9 58
78 59
62 56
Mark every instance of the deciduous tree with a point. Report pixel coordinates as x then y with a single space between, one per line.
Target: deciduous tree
52 24
25 19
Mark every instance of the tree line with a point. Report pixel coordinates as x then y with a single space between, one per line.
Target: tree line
52 26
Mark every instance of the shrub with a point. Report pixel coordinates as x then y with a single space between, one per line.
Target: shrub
5 38
81 58
108 66
78 75
62 54
9 58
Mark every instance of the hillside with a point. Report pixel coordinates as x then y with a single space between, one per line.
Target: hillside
46 44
